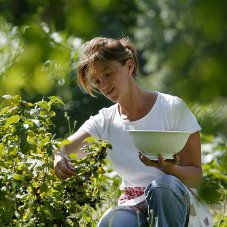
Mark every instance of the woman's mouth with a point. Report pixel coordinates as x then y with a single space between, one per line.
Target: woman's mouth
110 91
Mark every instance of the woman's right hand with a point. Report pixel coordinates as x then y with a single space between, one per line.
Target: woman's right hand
63 167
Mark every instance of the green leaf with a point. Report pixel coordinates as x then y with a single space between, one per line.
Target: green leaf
13 99
55 100
65 142
51 114
27 104
21 166
89 140
18 177
44 105
73 155
101 170
7 96
5 110
11 120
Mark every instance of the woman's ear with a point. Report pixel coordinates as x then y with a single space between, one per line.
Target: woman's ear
130 65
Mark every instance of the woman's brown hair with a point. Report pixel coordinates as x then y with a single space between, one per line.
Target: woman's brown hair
103 50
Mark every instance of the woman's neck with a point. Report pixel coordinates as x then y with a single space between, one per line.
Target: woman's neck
138 105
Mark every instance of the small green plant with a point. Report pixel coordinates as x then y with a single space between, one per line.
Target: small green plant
30 193
214 187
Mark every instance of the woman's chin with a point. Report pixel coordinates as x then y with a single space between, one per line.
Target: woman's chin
112 98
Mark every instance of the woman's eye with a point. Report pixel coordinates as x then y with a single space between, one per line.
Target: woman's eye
107 75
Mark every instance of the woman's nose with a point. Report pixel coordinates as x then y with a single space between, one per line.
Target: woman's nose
104 84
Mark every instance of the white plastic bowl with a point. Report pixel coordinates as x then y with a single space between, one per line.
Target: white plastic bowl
153 143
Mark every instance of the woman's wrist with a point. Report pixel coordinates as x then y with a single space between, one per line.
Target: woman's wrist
171 170
61 152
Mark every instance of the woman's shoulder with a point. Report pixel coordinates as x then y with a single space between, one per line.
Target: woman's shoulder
107 112
170 100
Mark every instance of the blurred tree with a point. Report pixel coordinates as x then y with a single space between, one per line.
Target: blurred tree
185 54
184 45
81 18
39 43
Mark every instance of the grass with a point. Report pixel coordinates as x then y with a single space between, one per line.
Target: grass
219 214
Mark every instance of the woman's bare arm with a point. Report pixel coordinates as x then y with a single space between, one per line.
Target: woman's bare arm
187 163
62 166
189 170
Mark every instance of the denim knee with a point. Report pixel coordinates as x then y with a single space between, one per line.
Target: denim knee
169 199
169 182
121 216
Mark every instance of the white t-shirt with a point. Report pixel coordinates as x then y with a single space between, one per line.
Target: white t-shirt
169 113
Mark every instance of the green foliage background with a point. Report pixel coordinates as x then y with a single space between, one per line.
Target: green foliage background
30 193
182 50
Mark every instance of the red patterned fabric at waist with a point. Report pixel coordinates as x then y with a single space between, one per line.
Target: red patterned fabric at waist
131 193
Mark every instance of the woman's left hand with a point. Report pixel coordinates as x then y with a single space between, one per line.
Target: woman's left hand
164 165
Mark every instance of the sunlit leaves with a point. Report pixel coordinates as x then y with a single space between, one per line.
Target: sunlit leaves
18 177
210 28
30 193
11 120
188 39
213 188
39 62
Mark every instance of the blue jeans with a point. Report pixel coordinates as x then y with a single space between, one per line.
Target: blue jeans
166 205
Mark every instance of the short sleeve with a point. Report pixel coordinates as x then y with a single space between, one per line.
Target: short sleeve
98 125
93 126
182 118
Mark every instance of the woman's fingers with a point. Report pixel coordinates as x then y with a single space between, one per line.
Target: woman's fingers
147 161
69 165
61 175
168 164
177 159
161 162
63 168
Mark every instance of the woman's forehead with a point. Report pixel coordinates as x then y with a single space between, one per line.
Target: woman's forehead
97 68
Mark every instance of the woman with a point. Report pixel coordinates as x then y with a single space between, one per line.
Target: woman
164 187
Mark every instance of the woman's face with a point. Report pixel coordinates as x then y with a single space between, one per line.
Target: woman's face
113 80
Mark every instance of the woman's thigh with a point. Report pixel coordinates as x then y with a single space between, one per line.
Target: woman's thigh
121 216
